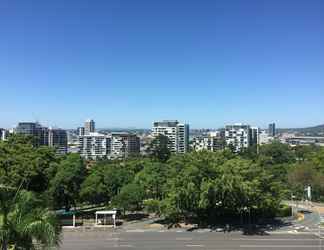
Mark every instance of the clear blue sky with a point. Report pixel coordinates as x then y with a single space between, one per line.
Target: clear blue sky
129 62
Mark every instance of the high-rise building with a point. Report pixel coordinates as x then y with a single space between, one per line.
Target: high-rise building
34 129
57 138
113 146
80 131
210 143
254 136
44 136
124 145
238 136
177 133
89 127
272 129
94 146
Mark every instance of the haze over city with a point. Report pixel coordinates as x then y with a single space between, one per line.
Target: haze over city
128 63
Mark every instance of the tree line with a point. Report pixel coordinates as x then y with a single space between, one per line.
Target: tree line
204 185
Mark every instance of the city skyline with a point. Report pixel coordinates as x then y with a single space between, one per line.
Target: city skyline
100 127
128 63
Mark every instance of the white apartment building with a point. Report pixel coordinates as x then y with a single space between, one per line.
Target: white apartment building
210 143
238 136
112 146
3 134
94 145
177 133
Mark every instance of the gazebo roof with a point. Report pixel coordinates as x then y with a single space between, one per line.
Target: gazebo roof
109 212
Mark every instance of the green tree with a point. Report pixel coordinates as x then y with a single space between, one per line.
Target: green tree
24 223
130 197
153 178
159 149
206 184
66 184
104 182
23 164
276 153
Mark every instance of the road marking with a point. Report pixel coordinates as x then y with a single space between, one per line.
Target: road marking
135 231
278 246
128 246
287 239
195 245
183 238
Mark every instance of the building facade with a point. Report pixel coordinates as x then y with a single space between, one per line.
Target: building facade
89 127
177 133
94 146
124 145
35 130
238 136
3 134
210 143
57 138
113 146
264 138
44 136
272 130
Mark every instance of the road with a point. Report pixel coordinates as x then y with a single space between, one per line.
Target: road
166 240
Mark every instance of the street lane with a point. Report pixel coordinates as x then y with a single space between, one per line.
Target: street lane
185 240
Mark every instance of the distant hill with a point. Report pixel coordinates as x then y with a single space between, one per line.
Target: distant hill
309 131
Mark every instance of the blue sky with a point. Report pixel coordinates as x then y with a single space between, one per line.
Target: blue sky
126 63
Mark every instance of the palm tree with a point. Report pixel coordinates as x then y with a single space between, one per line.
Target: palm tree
24 223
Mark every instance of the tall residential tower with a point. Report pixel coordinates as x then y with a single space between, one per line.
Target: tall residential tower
178 134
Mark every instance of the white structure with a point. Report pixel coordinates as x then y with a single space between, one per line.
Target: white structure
238 136
177 133
104 214
210 143
112 146
264 138
89 127
3 134
94 145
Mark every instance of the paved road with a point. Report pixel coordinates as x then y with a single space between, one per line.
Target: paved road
165 240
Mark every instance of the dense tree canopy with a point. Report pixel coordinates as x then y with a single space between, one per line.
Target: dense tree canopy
65 185
205 185
23 165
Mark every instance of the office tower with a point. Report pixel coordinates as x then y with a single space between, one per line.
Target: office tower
44 136
238 136
272 129
80 131
57 138
177 133
34 129
124 145
254 136
89 127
